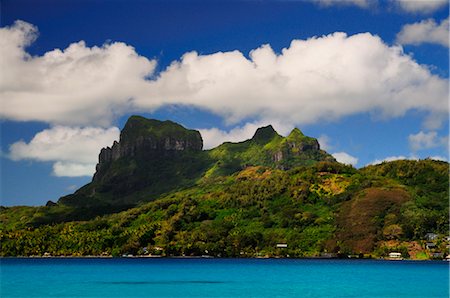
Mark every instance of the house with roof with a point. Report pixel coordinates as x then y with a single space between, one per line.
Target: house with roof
430 245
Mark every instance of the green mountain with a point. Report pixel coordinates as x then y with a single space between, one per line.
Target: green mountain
151 157
155 157
157 192
267 148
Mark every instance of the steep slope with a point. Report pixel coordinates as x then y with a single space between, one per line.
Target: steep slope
151 157
267 148
154 157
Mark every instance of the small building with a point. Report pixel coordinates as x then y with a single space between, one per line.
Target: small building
430 245
395 255
282 245
431 236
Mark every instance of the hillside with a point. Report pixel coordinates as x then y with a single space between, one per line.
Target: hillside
154 157
239 199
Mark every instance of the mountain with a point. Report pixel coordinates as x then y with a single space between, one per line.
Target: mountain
154 157
151 157
157 192
267 148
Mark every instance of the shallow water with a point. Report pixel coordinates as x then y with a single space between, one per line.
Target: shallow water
172 277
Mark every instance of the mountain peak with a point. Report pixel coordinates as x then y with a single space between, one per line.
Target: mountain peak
264 134
296 133
138 126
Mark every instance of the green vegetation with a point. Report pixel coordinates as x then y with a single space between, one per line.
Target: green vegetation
327 207
156 192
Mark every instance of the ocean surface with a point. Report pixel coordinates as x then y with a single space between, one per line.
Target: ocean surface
173 277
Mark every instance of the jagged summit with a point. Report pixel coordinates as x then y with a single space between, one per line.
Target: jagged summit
295 133
154 157
265 134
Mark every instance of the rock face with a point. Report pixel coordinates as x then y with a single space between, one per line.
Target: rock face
297 146
144 138
151 157
155 157
267 148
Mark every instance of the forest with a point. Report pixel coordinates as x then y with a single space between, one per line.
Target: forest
324 209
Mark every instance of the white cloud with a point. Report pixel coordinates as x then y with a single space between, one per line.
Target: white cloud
345 158
426 140
69 169
324 142
74 150
421 6
213 137
359 3
75 86
426 31
321 78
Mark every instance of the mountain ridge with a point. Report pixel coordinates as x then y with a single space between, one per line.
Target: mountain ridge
163 195
151 153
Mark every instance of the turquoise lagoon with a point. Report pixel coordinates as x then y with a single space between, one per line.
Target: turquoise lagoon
203 277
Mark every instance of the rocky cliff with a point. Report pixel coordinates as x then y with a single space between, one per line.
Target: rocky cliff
146 139
155 157
151 157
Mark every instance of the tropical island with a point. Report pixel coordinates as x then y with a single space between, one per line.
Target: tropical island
156 192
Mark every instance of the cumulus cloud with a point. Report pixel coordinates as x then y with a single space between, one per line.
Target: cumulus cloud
345 158
426 140
74 151
320 78
70 169
420 6
213 137
77 86
426 31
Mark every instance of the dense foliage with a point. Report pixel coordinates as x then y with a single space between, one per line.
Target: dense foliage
318 209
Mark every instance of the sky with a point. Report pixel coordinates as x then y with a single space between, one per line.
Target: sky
367 78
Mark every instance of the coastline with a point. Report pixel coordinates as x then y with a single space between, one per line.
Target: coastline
213 257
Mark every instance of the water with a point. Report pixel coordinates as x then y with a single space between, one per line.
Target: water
140 277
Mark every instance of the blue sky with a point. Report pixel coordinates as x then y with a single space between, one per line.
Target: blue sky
369 79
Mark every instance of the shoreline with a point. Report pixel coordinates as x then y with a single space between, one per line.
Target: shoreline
211 257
